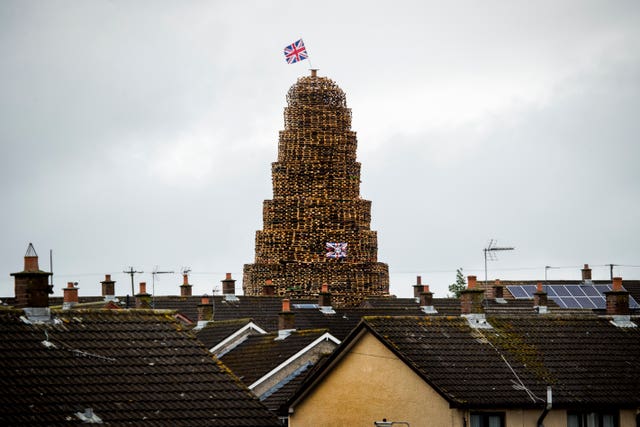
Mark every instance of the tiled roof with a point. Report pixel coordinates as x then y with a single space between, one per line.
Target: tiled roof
187 306
586 360
215 332
277 400
129 366
260 354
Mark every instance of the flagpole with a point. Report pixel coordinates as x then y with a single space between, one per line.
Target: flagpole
308 56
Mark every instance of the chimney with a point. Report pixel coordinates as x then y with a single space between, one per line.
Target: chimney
185 288
540 299
417 288
426 300
229 288
143 299
32 286
617 299
314 72
471 298
498 291
286 320
586 273
268 289
70 296
205 309
108 288
324 300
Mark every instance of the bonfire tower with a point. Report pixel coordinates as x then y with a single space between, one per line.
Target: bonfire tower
317 228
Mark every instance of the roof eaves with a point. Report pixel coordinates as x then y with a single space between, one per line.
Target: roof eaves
323 337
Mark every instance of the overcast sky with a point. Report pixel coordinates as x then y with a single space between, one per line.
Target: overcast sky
141 134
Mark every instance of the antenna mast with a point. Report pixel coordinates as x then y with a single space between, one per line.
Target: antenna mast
153 284
131 272
489 253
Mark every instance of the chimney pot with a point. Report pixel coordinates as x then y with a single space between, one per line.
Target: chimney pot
418 280
204 299
143 287
286 305
426 288
325 288
586 273
107 277
185 279
228 276
539 287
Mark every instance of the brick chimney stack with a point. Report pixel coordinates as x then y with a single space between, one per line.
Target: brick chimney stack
286 320
32 287
108 288
143 299
498 290
185 288
471 298
617 299
324 299
205 309
228 285
417 288
426 300
540 299
70 297
268 289
586 273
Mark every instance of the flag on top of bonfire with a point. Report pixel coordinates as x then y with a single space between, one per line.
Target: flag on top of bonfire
336 250
295 52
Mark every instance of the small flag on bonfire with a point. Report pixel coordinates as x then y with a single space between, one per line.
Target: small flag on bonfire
295 52
336 250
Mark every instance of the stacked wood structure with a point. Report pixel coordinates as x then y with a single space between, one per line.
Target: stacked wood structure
316 200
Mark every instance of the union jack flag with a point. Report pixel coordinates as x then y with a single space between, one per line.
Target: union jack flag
295 52
336 250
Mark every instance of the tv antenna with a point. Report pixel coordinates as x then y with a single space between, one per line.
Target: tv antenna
185 270
490 254
131 272
153 284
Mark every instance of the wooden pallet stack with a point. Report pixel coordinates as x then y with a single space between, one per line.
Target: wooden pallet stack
316 200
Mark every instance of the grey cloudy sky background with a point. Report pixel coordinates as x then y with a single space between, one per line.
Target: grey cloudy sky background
141 133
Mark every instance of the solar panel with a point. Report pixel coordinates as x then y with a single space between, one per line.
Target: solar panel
518 292
570 296
586 302
571 302
575 290
591 291
552 293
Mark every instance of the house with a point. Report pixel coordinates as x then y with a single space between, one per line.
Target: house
480 370
124 366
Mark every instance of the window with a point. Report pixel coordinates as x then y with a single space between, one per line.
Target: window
487 419
592 419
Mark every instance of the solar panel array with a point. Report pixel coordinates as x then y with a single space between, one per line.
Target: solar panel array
570 296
